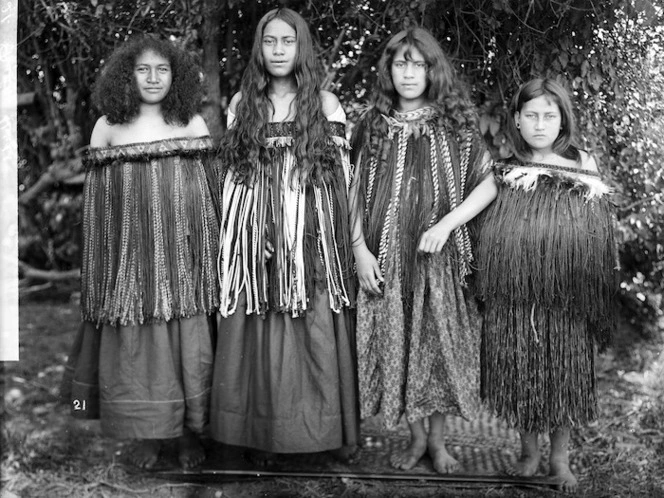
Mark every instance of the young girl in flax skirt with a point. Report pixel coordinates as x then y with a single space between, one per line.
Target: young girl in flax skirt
422 173
143 359
284 374
546 258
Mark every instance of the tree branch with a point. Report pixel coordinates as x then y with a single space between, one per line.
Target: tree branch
634 204
58 172
31 273
330 72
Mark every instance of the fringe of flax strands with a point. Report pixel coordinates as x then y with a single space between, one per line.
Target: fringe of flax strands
152 232
546 256
307 224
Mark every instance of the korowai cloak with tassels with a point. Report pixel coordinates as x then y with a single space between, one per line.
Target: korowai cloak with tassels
151 232
418 343
305 221
546 262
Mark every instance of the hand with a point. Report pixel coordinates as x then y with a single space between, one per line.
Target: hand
368 270
269 250
434 239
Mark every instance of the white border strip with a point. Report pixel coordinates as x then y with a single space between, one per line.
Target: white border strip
8 183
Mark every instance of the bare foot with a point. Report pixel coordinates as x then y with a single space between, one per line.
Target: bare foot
406 460
261 458
559 460
526 465
566 481
443 462
529 460
190 451
146 453
346 454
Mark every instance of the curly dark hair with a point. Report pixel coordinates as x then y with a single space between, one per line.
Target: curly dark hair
116 94
244 143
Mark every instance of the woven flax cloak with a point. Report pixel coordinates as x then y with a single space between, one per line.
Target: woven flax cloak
305 221
152 232
546 258
450 170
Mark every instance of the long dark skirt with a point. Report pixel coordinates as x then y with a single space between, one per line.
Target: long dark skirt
284 384
142 381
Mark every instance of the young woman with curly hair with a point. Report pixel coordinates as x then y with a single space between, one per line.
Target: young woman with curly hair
143 359
422 173
284 375
117 96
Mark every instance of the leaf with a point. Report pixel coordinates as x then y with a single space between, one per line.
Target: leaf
565 43
564 59
484 123
595 81
494 126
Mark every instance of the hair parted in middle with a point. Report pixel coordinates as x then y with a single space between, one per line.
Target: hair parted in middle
116 93
245 140
444 90
566 144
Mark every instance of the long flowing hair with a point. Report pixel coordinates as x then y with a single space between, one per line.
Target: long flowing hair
565 144
244 145
445 91
116 93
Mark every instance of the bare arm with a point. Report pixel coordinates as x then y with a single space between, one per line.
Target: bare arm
588 162
368 269
197 127
101 133
330 102
434 239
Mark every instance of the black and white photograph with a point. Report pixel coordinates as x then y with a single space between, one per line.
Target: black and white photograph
336 248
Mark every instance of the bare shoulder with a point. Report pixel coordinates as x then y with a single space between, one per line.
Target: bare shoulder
329 101
232 107
588 161
197 127
102 133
